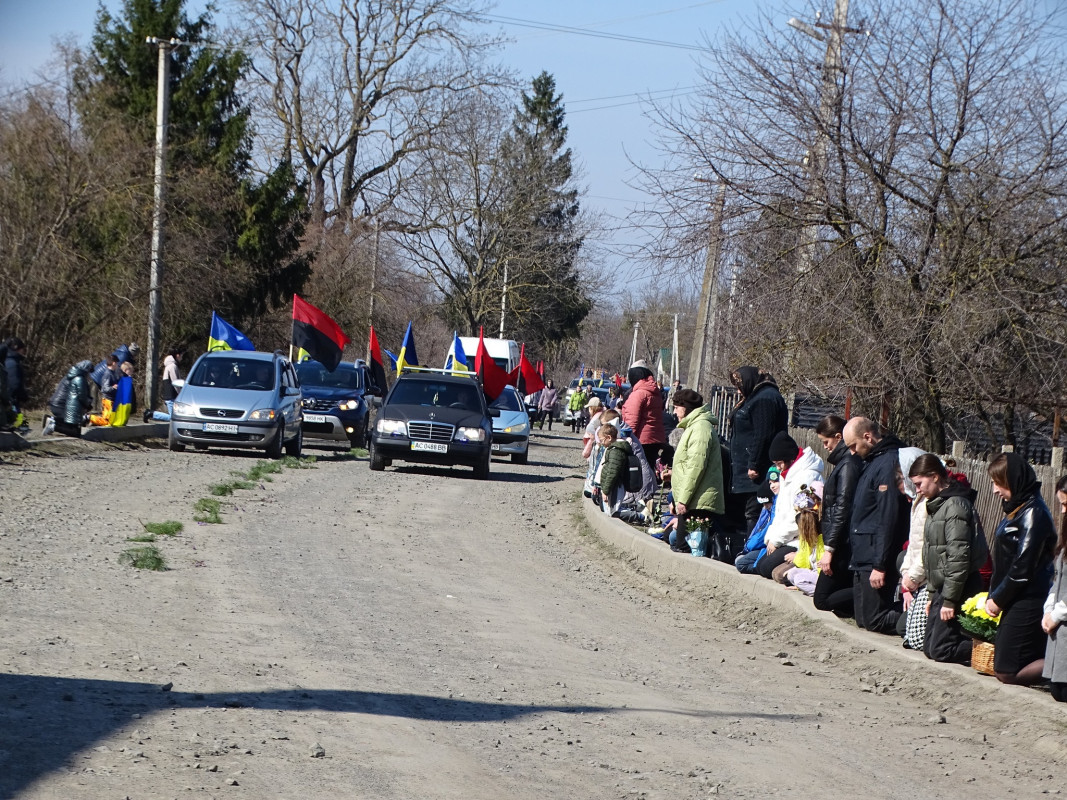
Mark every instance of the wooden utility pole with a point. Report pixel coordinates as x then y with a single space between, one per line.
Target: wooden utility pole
705 342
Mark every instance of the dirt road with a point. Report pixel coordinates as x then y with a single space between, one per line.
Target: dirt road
419 634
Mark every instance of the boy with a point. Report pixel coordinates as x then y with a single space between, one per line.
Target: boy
613 468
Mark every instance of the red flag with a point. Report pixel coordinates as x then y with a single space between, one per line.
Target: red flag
529 374
493 378
541 368
317 333
374 356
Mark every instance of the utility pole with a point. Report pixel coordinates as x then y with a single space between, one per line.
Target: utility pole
633 347
705 344
374 266
675 374
155 281
829 105
504 299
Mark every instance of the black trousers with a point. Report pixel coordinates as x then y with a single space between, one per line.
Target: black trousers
834 592
947 641
876 609
767 564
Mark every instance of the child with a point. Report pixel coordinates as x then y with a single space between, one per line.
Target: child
613 468
754 548
807 503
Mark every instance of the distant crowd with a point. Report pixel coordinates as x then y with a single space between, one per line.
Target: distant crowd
873 529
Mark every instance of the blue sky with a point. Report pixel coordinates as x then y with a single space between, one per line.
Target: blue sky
601 79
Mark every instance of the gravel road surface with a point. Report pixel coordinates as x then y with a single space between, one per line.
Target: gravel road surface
420 634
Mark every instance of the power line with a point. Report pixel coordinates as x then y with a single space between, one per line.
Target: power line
632 94
630 103
526 23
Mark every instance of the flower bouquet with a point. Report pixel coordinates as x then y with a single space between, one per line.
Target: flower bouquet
983 630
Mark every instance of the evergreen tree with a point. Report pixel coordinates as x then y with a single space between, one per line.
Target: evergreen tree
547 300
232 240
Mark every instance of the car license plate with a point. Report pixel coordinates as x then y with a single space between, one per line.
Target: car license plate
218 427
429 447
314 418
497 447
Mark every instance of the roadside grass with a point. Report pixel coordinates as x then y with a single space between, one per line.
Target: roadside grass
307 462
207 509
147 557
169 528
359 452
263 470
142 537
227 488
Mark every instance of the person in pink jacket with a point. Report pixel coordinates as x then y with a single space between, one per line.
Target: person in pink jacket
643 412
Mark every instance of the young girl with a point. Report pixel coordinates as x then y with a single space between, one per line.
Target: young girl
1056 608
804 571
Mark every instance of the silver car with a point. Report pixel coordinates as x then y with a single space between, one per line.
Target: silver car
239 398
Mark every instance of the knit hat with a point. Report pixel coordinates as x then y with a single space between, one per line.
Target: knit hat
688 399
783 448
764 493
642 364
774 475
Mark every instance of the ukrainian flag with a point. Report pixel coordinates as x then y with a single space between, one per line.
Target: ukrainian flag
224 336
407 357
123 405
457 359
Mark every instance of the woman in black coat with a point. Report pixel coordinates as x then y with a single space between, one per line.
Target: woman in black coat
760 415
833 589
1022 571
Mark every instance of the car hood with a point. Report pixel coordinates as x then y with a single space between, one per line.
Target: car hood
330 393
509 418
449 416
214 397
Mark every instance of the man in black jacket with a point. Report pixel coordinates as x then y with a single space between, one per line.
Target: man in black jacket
878 527
833 589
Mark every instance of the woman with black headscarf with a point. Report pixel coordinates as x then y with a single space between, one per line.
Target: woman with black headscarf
1022 571
758 417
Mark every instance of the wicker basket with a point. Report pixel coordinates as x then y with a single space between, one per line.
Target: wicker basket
982 656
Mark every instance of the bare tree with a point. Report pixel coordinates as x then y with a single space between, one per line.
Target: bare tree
356 88
939 213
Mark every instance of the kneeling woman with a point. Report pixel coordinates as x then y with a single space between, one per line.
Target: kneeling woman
1022 571
954 550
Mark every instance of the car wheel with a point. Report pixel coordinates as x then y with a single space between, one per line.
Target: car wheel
293 448
519 458
481 470
377 463
274 449
172 441
359 437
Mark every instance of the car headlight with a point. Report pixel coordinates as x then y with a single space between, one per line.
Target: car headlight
392 426
349 405
266 414
185 409
470 435
520 428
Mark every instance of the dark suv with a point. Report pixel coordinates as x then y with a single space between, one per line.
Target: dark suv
337 404
434 418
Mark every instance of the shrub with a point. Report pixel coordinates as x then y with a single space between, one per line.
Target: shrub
143 558
207 510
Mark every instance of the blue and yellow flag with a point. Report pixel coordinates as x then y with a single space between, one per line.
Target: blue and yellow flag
224 336
407 357
457 359
123 405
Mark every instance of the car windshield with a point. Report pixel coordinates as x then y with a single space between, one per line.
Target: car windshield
431 393
508 401
312 373
233 373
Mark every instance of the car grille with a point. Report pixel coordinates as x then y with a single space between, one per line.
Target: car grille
430 431
196 433
319 405
318 427
222 413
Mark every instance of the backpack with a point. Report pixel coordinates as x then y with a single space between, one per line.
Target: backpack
632 478
59 396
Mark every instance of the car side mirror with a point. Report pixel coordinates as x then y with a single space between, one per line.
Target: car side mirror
494 412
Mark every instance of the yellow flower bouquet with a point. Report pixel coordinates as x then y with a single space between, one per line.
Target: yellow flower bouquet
976 621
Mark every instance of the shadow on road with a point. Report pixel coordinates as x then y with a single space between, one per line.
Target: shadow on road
46 721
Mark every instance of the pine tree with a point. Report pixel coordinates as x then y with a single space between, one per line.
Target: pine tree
546 297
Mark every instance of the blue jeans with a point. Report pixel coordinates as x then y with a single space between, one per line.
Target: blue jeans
164 416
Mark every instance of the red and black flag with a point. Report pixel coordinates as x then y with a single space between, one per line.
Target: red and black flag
374 359
317 334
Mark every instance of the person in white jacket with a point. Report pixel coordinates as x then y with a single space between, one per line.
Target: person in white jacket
799 467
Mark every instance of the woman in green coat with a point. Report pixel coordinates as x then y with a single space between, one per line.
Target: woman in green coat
696 473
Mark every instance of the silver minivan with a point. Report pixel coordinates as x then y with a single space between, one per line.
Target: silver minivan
239 398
